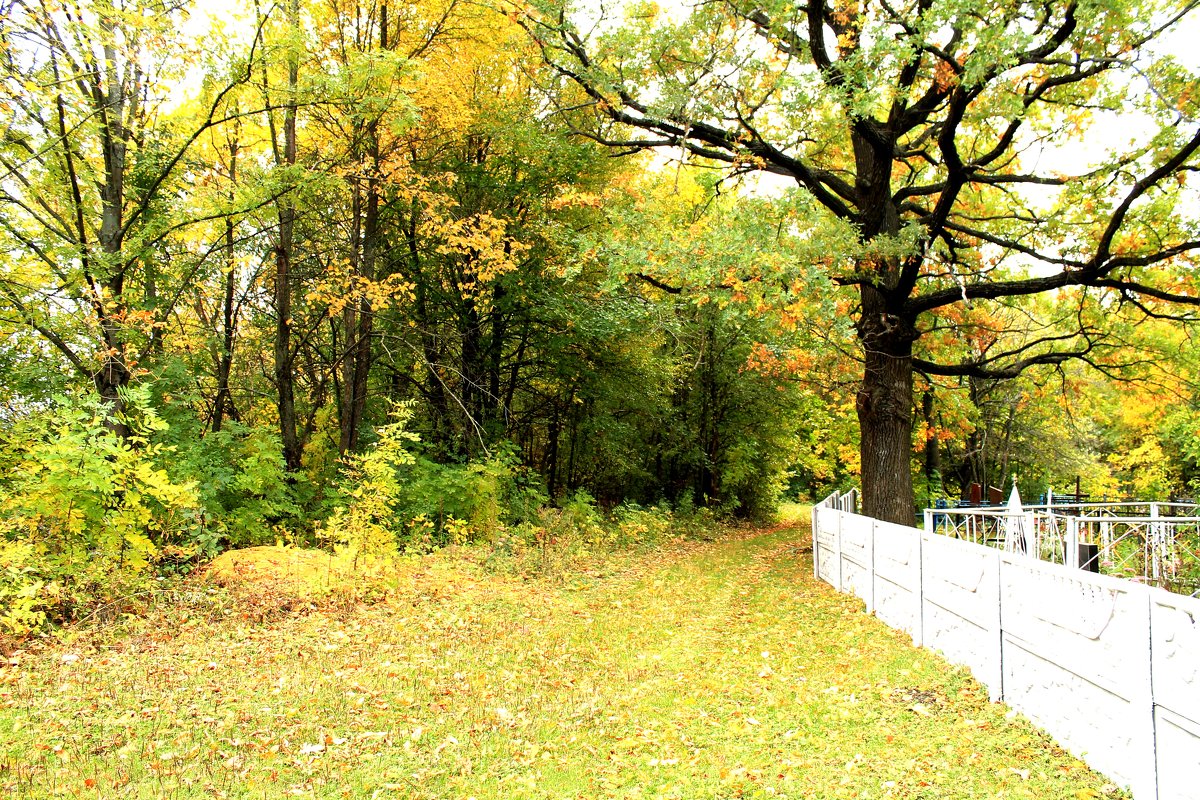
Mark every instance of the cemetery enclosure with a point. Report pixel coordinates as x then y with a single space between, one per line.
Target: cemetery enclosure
1109 667
1150 542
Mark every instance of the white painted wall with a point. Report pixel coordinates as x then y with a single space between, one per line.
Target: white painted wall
960 604
1175 644
1109 667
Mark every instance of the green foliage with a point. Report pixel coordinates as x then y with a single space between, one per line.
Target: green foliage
457 503
1180 439
364 522
248 497
559 542
86 512
578 520
826 451
390 499
23 594
680 378
645 527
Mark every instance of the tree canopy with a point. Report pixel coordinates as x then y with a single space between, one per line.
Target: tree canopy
928 140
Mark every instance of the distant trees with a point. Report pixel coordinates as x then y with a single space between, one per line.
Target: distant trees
94 173
275 236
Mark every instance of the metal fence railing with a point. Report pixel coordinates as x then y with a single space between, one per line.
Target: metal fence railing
1148 542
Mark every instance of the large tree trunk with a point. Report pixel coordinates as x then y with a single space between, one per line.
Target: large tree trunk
358 322
285 377
223 406
885 412
885 399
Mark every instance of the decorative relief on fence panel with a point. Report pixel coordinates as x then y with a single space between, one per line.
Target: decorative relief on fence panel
1076 661
897 552
1085 623
856 579
961 577
827 525
827 566
1175 645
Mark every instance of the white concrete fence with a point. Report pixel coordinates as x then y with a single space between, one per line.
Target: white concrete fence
1108 667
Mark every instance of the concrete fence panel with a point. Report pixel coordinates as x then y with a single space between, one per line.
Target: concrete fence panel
960 609
897 550
826 552
1175 650
1076 658
858 557
1178 756
1111 668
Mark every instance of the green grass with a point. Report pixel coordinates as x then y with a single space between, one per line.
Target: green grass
701 670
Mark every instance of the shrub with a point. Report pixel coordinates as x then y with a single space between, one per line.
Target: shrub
23 594
637 526
364 523
87 513
571 538
248 497
460 503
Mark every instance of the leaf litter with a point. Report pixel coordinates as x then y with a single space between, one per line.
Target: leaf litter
715 669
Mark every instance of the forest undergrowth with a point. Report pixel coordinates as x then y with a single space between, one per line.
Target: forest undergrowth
702 668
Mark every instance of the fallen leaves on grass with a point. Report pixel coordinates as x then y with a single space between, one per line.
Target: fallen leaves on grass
704 670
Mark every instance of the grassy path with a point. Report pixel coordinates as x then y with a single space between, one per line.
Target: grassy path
706 670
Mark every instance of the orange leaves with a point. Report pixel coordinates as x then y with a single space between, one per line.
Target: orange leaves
780 363
749 160
944 76
1188 97
571 198
1129 244
338 290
